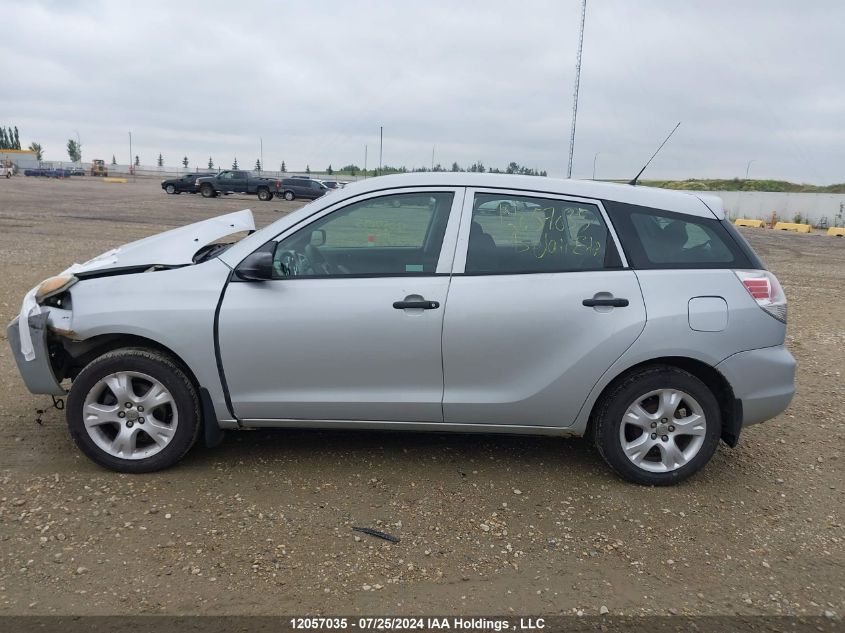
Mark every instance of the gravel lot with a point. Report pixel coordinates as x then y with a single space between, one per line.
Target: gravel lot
262 524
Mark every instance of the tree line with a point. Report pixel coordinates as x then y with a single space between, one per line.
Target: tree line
74 150
476 167
9 138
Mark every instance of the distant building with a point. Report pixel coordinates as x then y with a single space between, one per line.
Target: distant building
21 158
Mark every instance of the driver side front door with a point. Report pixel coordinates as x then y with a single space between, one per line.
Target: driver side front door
350 328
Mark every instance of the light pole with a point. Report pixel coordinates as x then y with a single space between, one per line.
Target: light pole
380 144
575 94
748 166
432 157
261 152
594 164
365 162
131 171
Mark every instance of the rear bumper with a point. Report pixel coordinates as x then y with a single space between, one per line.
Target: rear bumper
37 373
763 379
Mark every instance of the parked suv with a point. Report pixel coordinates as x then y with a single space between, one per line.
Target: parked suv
636 316
307 188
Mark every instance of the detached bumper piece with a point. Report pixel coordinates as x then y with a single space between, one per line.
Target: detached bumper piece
38 372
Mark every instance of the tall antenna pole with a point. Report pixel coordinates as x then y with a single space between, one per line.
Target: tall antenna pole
577 82
380 145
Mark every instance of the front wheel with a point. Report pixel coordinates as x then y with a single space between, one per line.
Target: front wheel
264 194
658 426
133 411
170 189
207 191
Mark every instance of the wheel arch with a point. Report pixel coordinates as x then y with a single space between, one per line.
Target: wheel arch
729 406
83 352
80 353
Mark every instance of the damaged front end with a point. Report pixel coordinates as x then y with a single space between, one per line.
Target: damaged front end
48 367
42 337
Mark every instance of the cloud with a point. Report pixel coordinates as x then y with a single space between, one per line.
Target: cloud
489 81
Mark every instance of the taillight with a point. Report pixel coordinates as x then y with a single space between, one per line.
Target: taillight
765 289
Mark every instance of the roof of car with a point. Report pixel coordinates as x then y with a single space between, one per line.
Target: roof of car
678 201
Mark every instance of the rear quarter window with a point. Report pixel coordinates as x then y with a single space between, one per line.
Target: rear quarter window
654 238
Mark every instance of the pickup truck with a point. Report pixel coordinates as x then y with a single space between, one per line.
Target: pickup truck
231 181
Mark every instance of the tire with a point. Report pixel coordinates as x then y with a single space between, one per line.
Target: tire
264 194
170 189
618 425
289 196
207 191
120 375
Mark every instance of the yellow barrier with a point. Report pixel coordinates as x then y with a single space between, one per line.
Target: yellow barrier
754 224
107 179
793 226
838 232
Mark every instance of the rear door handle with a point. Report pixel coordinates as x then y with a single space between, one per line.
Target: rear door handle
420 305
612 303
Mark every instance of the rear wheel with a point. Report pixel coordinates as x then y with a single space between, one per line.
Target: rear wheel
289 195
207 191
264 194
133 411
658 426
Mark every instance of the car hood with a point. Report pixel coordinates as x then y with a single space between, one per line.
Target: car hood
176 247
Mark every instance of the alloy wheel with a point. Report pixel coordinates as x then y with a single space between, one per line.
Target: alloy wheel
663 430
130 415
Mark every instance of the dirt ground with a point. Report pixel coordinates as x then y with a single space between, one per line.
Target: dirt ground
262 524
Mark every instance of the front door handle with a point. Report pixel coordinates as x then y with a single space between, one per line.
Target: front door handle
420 305
611 303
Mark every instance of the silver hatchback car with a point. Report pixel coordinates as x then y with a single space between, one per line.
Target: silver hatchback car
438 302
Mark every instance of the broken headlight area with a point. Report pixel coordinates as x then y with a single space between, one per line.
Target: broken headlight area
53 287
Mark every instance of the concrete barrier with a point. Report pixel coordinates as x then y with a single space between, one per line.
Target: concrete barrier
793 226
110 179
754 224
836 231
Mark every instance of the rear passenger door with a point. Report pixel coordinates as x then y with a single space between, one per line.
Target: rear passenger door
239 182
540 305
316 189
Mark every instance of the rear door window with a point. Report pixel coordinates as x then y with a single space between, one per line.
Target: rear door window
511 234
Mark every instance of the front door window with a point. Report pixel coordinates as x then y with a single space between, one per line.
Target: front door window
392 235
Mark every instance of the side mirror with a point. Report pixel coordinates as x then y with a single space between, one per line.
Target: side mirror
318 237
256 267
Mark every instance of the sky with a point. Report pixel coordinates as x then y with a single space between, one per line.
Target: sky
489 81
